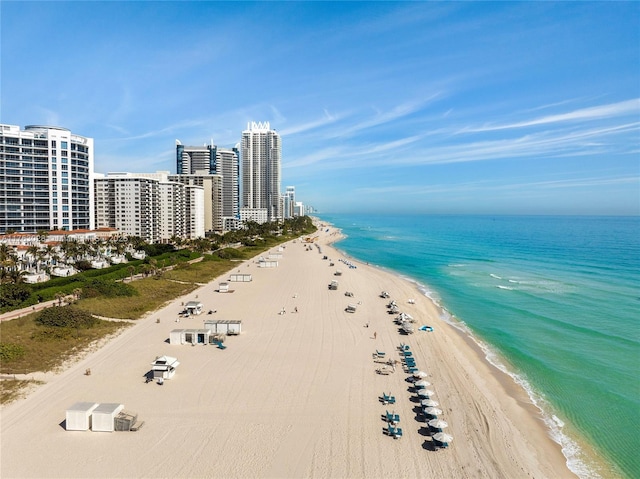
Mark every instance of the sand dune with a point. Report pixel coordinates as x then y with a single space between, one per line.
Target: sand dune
295 395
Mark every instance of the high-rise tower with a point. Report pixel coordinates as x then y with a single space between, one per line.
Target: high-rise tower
261 152
46 179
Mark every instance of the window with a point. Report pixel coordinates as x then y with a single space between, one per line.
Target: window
63 145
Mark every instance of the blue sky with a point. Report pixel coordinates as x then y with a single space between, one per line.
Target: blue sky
447 107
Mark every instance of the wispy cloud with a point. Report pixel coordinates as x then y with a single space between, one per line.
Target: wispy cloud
381 118
326 119
592 113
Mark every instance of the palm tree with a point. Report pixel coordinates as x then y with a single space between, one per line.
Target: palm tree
77 293
59 297
132 270
16 276
32 252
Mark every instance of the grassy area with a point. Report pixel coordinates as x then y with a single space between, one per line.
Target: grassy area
12 389
45 348
209 268
152 294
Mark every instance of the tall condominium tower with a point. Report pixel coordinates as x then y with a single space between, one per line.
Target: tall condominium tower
214 160
289 201
45 179
227 164
261 153
190 159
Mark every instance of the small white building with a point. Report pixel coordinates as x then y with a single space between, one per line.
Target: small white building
228 327
240 277
267 264
78 416
103 417
193 307
273 256
223 288
164 367
190 336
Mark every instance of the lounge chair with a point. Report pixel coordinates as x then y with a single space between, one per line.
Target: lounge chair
394 432
407 354
412 369
221 346
438 444
388 399
392 418
380 354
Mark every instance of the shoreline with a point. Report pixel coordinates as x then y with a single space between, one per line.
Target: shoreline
581 457
294 395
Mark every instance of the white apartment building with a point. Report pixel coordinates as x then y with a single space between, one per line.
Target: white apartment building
261 151
150 206
45 179
258 215
212 185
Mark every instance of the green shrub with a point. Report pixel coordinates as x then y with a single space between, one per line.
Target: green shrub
53 334
13 294
66 317
10 352
229 253
111 289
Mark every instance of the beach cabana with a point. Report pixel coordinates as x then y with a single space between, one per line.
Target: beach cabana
240 278
228 327
78 416
223 288
189 336
103 417
164 367
193 307
267 264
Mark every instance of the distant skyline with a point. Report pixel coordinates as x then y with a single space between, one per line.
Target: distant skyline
413 107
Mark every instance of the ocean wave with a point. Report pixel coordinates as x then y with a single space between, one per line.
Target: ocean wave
504 287
570 449
495 276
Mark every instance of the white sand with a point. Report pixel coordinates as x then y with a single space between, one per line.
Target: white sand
293 396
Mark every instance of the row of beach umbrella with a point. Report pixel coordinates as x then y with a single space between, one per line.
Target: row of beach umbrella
430 407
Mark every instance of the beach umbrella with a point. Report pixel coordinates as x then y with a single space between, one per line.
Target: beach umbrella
437 423
420 374
422 383
425 393
429 403
434 411
443 437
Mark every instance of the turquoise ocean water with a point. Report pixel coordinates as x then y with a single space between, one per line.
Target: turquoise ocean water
554 301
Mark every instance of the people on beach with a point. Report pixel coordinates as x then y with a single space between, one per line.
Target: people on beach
375 335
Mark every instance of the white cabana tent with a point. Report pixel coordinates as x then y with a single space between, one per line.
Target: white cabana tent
240 278
103 417
223 288
189 336
193 307
78 416
224 326
267 264
164 367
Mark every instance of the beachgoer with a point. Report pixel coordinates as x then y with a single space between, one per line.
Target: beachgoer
375 335
295 310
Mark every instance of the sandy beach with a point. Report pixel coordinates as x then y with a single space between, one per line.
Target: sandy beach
296 395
